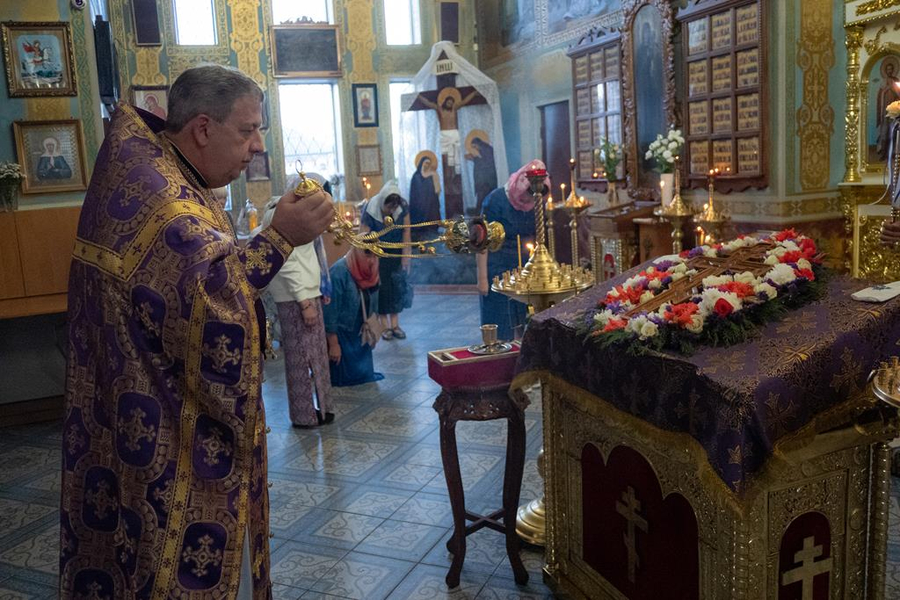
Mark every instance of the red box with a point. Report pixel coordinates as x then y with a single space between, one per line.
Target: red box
457 368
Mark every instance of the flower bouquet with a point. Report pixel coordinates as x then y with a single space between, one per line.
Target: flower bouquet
10 178
664 150
608 156
719 310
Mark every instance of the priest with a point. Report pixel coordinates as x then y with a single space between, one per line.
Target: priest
164 489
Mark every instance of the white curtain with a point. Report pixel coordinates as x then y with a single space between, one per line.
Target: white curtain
420 129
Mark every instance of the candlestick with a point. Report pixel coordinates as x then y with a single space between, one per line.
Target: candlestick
571 174
519 247
551 232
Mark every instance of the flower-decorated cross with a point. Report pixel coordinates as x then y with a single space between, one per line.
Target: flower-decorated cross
750 258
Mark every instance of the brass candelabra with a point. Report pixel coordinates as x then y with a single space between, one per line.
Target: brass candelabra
676 213
461 236
540 284
711 220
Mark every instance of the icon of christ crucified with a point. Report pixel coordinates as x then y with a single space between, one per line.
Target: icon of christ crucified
446 101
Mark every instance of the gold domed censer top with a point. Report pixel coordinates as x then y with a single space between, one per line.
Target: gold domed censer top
461 236
542 282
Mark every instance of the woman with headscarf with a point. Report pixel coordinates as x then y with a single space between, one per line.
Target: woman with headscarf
425 194
300 290
354 286
513 207
393 292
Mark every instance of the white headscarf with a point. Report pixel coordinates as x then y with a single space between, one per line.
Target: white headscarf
375 206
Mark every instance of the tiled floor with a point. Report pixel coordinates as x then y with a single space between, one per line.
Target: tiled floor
359 507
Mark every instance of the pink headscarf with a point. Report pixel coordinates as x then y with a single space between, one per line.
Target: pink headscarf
518 190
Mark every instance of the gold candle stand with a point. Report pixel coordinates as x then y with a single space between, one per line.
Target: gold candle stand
540 284
710 219
676 213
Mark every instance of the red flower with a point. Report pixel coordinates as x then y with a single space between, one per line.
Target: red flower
723 307
805 273
808 248
684 253
791 257
680 314
614 324
742 290
787 234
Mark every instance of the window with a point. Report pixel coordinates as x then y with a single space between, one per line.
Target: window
402 22
195 23
291 10
396 89
311 125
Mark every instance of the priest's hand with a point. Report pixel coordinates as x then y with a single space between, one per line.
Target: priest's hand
890 233
302 220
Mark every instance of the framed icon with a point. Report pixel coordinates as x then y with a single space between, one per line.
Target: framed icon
258 169
306 50
153 99
51 155
365 105
368 160
39 59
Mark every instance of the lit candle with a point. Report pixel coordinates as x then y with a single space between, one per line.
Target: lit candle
519 246
700 236
530 247
662 192
562 189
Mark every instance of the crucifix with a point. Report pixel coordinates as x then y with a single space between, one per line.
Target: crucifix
629 509
446 101
749 258
808 569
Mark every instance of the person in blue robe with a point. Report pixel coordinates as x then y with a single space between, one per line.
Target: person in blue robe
394 292
354 282
513 207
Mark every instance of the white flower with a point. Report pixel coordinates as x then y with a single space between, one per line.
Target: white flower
648 155
654 284
803 264
677 276
893 109
636 323
771 260
746 277
710 296
646 296
668 155
713 281
781 274
766 289
603 318
673 144
679 268
696 325
648 330
710 253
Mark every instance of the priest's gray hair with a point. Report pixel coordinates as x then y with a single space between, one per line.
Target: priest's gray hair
211 90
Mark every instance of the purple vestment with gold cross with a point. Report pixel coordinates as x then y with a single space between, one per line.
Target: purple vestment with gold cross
164 454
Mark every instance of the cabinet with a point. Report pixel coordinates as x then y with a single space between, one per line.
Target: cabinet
35 253
597 97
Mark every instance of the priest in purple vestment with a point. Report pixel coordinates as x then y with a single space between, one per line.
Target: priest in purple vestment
164 489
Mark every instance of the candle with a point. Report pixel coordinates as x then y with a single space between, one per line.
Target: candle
562 189
662 192
530 247
519 246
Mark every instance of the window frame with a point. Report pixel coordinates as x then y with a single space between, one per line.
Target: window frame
415 23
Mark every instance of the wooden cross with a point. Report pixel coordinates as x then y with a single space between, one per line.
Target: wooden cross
808 569
629 509
446 100
748 258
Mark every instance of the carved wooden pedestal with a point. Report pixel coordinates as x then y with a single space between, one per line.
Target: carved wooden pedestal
483 405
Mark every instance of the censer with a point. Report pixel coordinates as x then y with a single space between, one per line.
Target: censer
461 236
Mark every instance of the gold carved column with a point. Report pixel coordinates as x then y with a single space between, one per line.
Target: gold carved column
815 117
853 41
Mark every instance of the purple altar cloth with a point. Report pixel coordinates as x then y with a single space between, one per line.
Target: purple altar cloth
737 402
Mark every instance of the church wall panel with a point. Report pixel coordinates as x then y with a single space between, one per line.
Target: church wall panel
519 69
